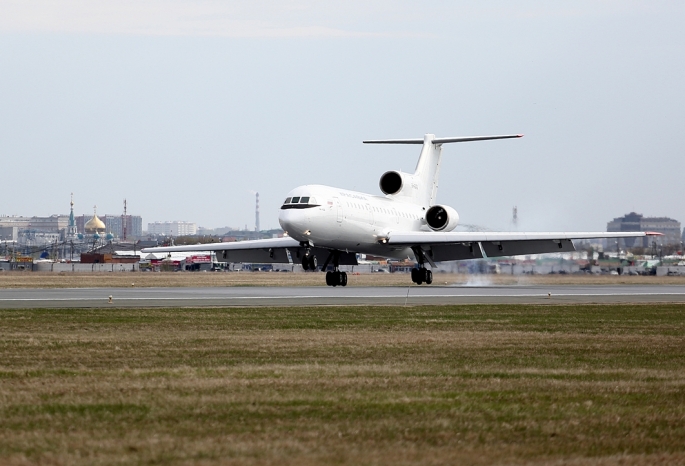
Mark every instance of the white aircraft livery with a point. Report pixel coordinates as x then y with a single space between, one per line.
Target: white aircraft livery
333 225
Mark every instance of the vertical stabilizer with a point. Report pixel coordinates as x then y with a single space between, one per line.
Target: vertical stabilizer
427 171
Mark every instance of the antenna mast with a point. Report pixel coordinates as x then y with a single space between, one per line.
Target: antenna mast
256 214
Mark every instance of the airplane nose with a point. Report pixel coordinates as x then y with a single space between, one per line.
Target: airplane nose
294 221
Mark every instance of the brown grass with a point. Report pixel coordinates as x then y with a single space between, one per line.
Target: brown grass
209 279
572 385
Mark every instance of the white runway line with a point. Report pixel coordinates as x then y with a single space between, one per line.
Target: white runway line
206 298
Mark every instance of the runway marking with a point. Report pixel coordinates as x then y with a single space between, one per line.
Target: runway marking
205 298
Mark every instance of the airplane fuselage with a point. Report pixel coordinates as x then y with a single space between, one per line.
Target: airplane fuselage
340 219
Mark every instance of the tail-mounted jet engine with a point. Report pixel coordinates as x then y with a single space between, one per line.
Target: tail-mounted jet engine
399 185
442 218
391 182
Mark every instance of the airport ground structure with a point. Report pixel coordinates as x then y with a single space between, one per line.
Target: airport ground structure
109 243
111 259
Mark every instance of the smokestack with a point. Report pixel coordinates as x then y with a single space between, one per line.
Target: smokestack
256 214
515 216
123 220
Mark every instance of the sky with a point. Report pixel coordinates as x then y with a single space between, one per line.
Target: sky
187 108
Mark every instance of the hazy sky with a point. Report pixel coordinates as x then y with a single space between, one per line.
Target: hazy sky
186 108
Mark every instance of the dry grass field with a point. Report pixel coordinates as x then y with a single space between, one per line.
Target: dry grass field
209 279
576 385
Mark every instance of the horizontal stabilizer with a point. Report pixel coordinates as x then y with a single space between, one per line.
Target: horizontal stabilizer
442 140
475 138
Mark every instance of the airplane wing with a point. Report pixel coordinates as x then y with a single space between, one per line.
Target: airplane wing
476 245
262 251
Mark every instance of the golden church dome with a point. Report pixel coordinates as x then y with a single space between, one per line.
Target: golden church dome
94 225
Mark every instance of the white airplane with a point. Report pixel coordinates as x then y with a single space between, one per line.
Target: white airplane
334 225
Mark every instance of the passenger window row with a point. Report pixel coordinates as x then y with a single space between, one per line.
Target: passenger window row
383 210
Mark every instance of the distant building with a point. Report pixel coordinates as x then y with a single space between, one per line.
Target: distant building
116 223
10 226
637 222
13 227
172 228
202 231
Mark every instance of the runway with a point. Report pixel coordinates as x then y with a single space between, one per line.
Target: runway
322 296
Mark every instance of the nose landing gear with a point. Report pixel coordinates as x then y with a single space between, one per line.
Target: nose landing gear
336 277
309 262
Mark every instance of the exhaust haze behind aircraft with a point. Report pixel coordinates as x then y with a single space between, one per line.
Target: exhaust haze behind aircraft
333 224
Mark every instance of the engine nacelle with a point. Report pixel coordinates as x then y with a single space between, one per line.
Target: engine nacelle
399 184
442 218
391 182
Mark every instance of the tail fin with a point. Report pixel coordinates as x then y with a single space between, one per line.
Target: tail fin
428 167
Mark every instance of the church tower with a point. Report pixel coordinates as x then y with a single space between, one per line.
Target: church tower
71 228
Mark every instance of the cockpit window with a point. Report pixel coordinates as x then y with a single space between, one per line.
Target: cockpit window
304 200
296 200
287 200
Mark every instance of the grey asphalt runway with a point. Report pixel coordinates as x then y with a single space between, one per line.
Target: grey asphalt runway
317 296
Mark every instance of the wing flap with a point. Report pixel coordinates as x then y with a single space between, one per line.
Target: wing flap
261 256
467 245
519 248
285 242
455 252
345 258
424 237
263 251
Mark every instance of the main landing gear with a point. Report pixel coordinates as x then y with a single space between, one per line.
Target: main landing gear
336 277
422 275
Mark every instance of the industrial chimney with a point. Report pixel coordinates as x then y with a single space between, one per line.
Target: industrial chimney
256 215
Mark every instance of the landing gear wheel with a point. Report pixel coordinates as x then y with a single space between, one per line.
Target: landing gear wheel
422 275
309 262
336 278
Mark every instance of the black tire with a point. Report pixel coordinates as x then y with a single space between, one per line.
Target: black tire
343 278
305 263
429 277
414 275
329 278
312 262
